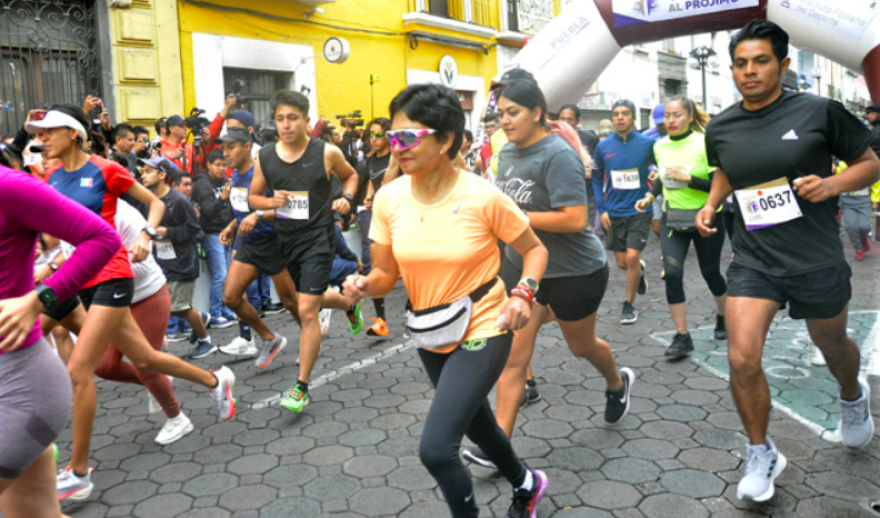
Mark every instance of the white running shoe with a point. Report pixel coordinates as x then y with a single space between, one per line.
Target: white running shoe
174 430
816 357
856 424
222 393
153 403
240 347
324 320
763 465
72 487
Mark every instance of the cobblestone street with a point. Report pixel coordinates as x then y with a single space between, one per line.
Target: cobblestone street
353 452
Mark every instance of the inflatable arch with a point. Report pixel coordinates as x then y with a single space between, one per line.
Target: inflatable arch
569 54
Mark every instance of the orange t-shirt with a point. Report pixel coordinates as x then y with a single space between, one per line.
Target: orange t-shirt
450 248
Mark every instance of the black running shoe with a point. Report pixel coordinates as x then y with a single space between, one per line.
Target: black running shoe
628 315
681 346
273 308
531 394
616 407
477 456
525 503
720 328
643 280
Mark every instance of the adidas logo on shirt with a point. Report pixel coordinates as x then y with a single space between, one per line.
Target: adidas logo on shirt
791 135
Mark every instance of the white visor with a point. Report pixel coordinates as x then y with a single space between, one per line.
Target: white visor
56 119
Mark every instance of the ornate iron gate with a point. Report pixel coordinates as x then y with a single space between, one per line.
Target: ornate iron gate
48 54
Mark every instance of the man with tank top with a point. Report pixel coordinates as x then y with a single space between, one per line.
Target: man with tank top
297 169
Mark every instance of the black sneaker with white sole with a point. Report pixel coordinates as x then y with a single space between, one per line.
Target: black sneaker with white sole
477 456
617 403
720 328
531 394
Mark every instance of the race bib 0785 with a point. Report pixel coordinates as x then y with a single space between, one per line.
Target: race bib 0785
297 206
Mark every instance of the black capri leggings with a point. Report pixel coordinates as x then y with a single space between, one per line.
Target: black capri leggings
675 248
462 380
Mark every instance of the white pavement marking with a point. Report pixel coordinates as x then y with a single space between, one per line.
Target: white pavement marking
338 373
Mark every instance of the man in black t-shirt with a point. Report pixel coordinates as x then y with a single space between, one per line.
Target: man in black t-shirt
786 244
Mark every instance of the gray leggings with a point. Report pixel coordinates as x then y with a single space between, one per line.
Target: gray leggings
35 401
463 379
857 218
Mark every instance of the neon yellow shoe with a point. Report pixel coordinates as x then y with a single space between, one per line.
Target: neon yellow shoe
296 400
355 319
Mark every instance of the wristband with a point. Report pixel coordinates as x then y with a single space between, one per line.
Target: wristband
523 294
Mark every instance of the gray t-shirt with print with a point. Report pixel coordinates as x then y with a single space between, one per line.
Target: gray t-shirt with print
544 177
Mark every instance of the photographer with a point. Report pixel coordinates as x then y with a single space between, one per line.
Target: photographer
350 139
210 192
141 147
172 147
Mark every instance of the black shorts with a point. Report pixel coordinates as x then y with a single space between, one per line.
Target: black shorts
309 259
821 294
629 233
571 298
264 255
115 293
63 308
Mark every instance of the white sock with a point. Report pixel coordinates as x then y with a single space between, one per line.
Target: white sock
177 417
528 483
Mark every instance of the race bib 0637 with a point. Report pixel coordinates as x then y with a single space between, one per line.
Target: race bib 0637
768 204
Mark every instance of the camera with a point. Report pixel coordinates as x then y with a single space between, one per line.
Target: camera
237 85
351 120
196 123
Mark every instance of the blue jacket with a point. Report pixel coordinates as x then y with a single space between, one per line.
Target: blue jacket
613 154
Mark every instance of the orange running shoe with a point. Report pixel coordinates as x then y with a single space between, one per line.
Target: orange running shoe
379 329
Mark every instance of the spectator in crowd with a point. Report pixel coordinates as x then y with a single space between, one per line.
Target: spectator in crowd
161 127
469 155
175 250
491 123
123 144
172 146
210 192
245 119
183 183
141 147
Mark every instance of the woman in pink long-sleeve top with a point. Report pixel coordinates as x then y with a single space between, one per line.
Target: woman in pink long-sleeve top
35 389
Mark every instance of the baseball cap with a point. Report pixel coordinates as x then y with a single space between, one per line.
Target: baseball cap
174 120
243 116
235 135
626 103
512 75
873 109
659 114
159 163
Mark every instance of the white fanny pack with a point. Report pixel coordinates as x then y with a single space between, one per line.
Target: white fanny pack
443 325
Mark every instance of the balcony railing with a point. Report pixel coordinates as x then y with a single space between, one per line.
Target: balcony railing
477 12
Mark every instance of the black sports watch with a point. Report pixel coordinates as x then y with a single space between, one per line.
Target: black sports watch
260 214
47 296
348 197
151 232
529 283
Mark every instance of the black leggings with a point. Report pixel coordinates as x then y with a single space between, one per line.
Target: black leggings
462 380
675 248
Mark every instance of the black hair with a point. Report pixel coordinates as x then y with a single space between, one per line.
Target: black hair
121 130
572 107
99 145
215 155
526 92
434 106
160 125
140 130
468 135
384 122
289 98
762 30
491 117
119 158
177 178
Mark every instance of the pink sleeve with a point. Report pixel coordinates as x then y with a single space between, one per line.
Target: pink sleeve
96 242
570 135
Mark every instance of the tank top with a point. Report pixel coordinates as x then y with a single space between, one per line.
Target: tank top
307 179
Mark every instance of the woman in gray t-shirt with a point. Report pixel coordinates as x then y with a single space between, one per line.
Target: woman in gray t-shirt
544 175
